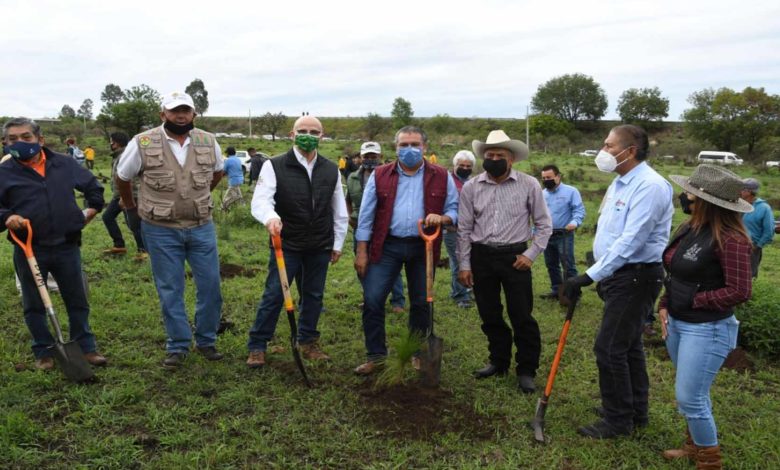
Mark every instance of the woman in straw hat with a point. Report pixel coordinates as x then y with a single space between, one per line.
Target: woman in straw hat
708 266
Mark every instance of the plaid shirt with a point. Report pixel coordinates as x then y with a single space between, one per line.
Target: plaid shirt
737 275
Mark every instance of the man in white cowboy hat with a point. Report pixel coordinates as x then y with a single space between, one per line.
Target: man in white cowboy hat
497 244
633 229
178 166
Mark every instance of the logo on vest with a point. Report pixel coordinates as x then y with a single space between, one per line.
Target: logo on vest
144 141
692 253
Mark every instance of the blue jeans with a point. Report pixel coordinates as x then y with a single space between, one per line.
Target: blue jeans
397 298
314 265
168 249
458 292
64 263
697 351
396 253
560 252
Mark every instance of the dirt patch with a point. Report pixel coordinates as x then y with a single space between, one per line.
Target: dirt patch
739 361
410 411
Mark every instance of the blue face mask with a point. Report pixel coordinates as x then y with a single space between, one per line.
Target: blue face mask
410 157
24 150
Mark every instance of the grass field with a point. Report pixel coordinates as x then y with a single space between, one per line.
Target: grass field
223 415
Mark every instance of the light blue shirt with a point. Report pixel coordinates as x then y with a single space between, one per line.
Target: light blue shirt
408 207
760 223
565 206
234 171
634 222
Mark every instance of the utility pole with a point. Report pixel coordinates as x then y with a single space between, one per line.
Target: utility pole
250 123
527 134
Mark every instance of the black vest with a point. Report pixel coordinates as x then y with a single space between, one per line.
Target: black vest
305 206
694 268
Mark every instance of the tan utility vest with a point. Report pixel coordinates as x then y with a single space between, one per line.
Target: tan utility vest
171 195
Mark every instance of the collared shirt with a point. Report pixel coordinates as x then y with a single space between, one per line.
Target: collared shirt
501 214
565 206
263 202
760 223
130 163
408 207
234 171
634 221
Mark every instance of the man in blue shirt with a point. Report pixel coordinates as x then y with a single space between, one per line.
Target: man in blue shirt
235 174
760 223
396 196
567 212
635 218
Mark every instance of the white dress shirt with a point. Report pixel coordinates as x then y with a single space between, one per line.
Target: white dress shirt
263 199
130 162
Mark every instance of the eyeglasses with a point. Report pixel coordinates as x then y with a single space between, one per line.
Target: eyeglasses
411 144
313 132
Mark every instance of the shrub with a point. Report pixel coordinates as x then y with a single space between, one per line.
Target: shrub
759 329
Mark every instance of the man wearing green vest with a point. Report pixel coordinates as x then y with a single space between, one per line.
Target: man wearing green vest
371 153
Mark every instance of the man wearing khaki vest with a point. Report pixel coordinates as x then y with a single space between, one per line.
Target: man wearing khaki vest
178 166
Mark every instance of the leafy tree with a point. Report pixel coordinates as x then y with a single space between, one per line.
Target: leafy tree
642 106
573 98
402 113
112 94
544 125
67 112
440 123
760 118
197 90
85 110
272 123
143 92
374 125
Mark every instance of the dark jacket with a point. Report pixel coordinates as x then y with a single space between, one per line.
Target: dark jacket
255 165
305 206
48 202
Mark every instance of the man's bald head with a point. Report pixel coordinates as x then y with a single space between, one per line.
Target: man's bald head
307 123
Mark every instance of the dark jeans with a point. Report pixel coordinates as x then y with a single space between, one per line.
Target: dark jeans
620 355
110 213
755 259
378 281
397 298
314 265
560 252
64 263
492 270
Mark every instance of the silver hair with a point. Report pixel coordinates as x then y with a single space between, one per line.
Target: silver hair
21 121
412 130
464 155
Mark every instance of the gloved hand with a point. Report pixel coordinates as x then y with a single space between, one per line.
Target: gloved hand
572 288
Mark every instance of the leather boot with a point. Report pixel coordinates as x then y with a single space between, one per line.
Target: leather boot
708 458
688 449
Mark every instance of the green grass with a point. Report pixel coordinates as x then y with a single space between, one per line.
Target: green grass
223 415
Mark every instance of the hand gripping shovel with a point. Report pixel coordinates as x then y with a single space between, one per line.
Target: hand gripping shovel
430 357
288 305
68 355
537 424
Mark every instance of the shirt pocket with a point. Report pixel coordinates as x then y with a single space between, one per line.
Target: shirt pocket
160 180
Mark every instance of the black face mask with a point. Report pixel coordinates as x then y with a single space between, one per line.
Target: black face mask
463 173
495 168
177 129
549 184
685 203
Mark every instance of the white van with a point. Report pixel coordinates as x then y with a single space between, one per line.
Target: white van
722 158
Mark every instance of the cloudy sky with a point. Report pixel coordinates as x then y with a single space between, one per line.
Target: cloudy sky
339 58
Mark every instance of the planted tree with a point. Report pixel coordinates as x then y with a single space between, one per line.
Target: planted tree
573 98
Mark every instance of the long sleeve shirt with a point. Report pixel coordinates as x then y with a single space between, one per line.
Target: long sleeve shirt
634 221
493 213
408 206
760 223
263 201
565 206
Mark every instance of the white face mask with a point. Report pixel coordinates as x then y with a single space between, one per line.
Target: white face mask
607 162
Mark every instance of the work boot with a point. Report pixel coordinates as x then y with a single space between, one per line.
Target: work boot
708 458
312 352
115 250
525 383
44 363
490 370
602 430
688 449
173 360
256 359
367 368
640 421
210 353
95 358
141 256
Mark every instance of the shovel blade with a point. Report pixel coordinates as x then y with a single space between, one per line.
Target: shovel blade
71 360
430 362
537 424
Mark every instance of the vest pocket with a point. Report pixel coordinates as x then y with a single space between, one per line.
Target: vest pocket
153 158
203 207
160 180
201 178
155 209
204 156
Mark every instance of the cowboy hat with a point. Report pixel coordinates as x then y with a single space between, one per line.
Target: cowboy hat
499 139
715 184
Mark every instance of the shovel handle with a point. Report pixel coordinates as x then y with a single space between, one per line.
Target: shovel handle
428 238
276 241
26 245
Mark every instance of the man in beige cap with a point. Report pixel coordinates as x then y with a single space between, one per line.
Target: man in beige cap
494 234
178 166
